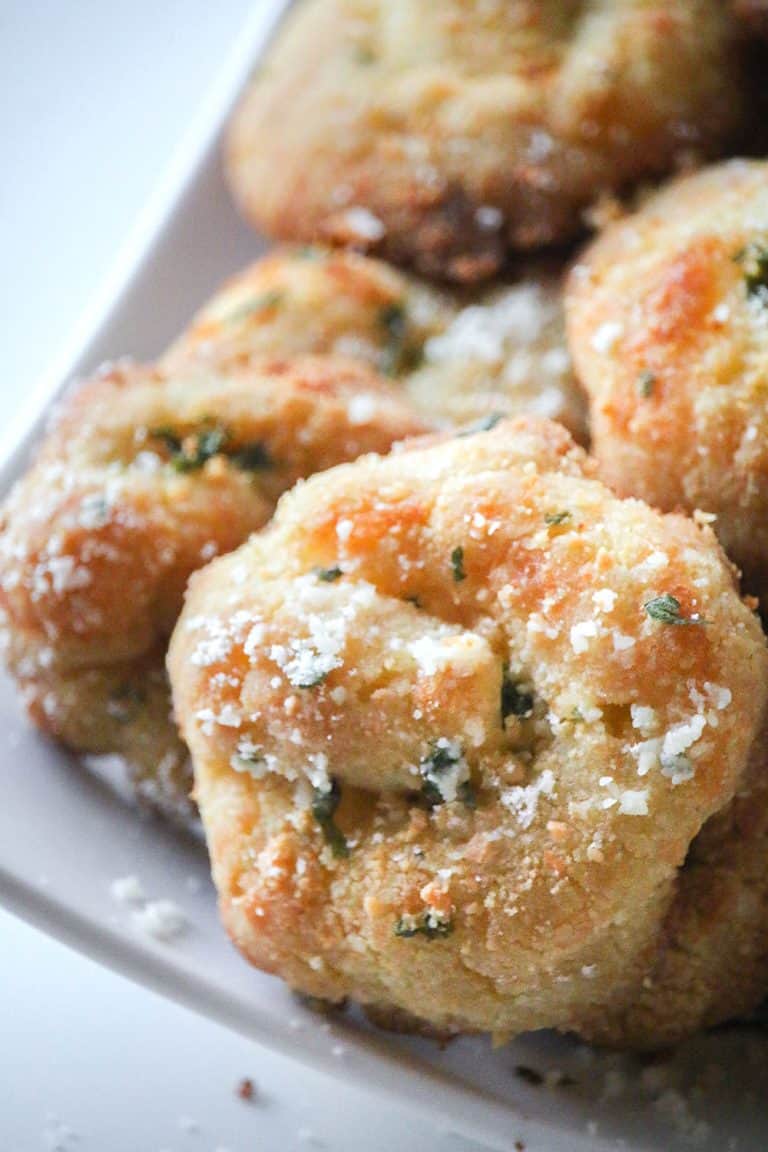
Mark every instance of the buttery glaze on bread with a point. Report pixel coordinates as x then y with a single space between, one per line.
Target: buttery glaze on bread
447 134
457 717
460 356
668 325
146 475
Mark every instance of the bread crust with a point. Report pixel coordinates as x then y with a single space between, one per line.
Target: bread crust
460 356
145 475
445 135
457 638
668 328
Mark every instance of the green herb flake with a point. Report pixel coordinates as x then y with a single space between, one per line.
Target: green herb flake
430 925
444 757
393 319
432 794
457 564
255 306
307 252
677 767
754 261
192 452
666 610
364 55
246 758
308 679
329 575
486 424
646 382
253 457
167 437
555 518
125 701
515 699
324 805
467 795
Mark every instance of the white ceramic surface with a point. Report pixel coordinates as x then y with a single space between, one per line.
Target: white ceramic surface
65 834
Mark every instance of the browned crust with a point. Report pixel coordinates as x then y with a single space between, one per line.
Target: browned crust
463 136
556 915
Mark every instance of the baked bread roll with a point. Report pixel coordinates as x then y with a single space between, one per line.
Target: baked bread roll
446 135
457 718
146 475
668 325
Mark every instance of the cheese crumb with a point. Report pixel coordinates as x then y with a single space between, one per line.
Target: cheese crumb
127 890
363 225
161 919
634 802
606 336
361 409
581 634
604 599
523 800
680 737
647 754
644 718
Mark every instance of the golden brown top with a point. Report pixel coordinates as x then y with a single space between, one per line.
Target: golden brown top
543 688
446 134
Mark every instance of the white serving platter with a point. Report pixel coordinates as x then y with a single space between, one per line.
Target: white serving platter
66 834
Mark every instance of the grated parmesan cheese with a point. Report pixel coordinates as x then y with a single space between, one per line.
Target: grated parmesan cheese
361 409
604 599
161 919
523 800
581 634
363 225
127 890
606 336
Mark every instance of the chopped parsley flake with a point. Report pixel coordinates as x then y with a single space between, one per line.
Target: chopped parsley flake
457 564
677 767
308 677
754 261
646 382
397 354
195 451
252 457
255 306
393 320
324 805
168 438
441 770
430 925
191 452
329 575
553 518
124 702
467 795
247 756
484 425
364 55
515 700
666 610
